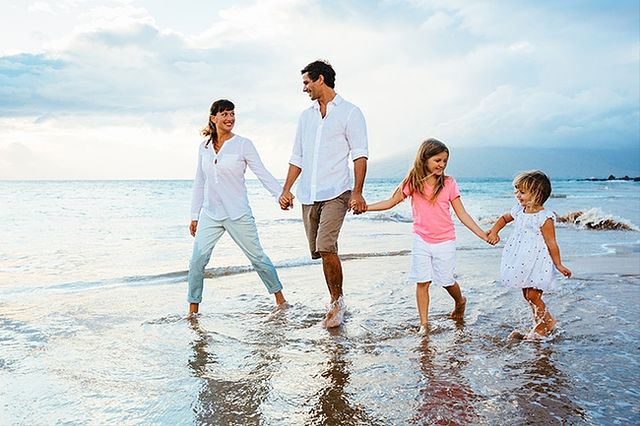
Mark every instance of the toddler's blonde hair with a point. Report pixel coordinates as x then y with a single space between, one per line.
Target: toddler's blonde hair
535 183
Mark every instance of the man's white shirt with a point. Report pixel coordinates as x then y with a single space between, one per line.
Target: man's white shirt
322 148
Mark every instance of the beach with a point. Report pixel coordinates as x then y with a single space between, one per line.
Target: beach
93 326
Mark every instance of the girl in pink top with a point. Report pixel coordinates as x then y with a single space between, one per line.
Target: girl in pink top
433 252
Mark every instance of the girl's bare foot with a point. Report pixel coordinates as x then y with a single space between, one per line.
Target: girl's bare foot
458 310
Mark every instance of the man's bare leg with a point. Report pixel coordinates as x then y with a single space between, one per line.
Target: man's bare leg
460 301
332 269
422 300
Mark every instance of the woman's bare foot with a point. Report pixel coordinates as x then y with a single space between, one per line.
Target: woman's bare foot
458 310
193 308
280 300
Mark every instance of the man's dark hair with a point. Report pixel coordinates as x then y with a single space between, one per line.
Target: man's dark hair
324 68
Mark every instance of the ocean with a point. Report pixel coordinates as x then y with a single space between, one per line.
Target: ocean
93 299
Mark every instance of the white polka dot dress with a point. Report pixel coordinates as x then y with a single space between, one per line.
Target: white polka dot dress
525 258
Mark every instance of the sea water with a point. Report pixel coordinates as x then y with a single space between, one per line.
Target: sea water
92 328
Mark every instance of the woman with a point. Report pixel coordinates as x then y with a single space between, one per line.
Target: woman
220 203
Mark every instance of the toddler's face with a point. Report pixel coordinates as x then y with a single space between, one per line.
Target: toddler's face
524 198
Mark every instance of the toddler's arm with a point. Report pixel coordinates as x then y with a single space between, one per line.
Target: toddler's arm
467 220
396 198
549 234
500 223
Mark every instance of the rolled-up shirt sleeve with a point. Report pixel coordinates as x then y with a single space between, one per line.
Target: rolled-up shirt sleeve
356 134
296 154
254 162
197 196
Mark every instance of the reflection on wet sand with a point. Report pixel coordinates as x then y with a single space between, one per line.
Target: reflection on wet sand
231 402
542 398
445 398
333 406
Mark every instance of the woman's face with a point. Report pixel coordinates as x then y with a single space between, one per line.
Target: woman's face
224 120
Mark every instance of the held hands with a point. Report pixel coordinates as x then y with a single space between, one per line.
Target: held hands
492 238
192 227
286 200
357 203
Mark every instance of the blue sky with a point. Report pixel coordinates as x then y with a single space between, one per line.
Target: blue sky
119 89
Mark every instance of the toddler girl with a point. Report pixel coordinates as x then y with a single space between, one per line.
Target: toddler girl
531 252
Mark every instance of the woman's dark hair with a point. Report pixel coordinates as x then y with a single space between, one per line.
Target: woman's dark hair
210 130
318 68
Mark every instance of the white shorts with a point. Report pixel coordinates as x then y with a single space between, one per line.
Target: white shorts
432 262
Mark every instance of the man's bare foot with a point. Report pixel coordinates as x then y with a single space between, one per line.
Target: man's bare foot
458 310
193 309
424 329
335 314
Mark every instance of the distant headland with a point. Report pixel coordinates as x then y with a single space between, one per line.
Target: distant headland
612 177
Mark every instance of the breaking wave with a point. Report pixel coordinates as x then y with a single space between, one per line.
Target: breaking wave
597 220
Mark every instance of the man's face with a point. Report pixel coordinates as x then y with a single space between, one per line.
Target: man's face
313 88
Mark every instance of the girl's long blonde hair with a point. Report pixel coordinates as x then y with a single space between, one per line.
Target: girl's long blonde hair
418 174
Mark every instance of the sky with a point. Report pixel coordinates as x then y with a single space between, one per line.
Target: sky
119 89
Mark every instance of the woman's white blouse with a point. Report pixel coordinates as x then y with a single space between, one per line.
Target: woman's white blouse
219 188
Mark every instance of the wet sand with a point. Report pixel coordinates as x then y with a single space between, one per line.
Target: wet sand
126 355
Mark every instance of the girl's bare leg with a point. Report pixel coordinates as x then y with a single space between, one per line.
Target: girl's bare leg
422 300
460 301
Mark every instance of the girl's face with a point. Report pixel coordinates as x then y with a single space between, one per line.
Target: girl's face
437 163
524 198
224 120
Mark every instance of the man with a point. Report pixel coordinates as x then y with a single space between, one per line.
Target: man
328 132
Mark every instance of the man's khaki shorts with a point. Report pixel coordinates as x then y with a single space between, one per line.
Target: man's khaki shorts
322 223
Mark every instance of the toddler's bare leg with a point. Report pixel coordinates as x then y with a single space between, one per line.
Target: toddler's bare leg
544 321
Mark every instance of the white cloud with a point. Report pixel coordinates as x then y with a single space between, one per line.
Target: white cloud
121 72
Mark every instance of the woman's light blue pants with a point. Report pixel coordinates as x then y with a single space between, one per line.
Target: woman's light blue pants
245 234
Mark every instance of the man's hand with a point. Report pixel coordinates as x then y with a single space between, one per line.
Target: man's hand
286 200
357 203
192 227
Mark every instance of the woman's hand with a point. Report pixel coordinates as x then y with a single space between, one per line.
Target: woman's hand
192 227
